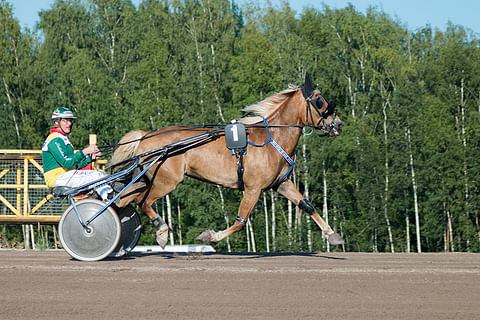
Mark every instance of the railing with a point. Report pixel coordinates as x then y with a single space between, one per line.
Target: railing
24 196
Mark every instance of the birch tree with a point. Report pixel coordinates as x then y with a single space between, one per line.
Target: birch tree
15 64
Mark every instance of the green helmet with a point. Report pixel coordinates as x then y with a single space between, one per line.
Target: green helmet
62 113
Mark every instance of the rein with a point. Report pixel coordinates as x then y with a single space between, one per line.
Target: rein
107 149
320 125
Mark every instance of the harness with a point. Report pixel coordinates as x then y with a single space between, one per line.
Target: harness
290 161
236 140
236 137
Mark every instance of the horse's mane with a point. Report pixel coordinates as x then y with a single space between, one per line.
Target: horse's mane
268 106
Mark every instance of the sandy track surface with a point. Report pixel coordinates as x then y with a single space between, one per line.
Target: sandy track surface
50 285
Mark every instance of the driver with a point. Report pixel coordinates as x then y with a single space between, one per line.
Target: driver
61 164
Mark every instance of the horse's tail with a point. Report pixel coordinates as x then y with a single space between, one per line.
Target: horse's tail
127 147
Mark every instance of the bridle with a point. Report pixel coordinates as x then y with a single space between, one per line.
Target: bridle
317 103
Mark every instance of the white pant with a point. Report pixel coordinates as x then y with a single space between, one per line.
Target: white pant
77 178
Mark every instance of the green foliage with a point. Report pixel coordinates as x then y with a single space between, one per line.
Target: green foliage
409 100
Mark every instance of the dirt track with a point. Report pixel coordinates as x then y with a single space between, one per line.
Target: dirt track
50 285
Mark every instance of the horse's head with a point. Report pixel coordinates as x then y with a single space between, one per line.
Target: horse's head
320 113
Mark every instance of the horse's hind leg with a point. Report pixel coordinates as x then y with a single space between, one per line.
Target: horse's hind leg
250 199
155 220
164 182
289 191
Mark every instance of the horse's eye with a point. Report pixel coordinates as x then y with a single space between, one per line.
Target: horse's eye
318 102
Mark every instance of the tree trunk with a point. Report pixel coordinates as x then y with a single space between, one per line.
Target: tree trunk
407 229
389 228
298 213
214 69
252 235
225 216
477 223
169 215
272 196
450 231
55 237
309 233
414 187
325 206
306 195
32 237
352 95
338 222
446 235
445 238
4 237
215 91
26 236
42 237
247 234
193 32
290 221
267 234
47 243
464 144
14 118
163 209
179 231
374 229
385 196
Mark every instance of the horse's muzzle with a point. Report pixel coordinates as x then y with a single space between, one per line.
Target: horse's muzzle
336 128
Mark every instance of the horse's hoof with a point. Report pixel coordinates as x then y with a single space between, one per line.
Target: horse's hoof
162 236
206 236
335 239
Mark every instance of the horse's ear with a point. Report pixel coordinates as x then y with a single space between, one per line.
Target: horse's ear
308 88
331 107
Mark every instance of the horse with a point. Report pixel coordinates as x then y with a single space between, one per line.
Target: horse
273 132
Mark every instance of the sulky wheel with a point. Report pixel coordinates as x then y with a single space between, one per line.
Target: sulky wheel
131 229
99 240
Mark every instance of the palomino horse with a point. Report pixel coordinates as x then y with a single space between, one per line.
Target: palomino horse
273 135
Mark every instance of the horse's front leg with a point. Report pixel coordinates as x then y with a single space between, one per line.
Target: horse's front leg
250 199
289 191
